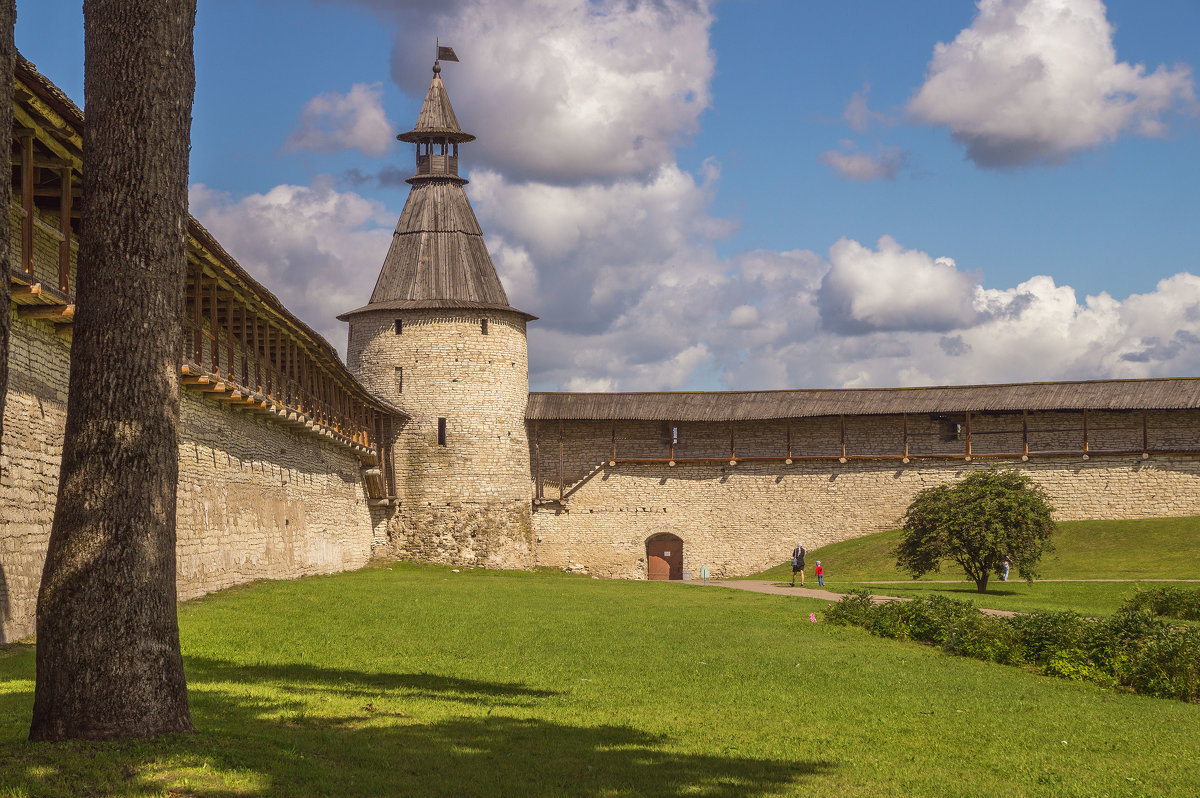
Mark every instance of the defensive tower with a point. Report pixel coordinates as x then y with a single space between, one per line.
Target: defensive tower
439 340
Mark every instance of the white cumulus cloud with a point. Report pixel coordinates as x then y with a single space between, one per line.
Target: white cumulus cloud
884 165
563 90
315 248
355 121
892 288
1037 81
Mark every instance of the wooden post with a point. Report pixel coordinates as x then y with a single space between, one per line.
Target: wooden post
268 356
1025 433
212 328
1145 433
968 435
562 485
904 416
671 439
64 227
26 203
198 316
614 441
732 451
789 439
229 340
537 459
245 342
842 433
1085 430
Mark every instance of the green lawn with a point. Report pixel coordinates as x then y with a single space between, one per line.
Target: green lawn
1153 548
414 680
1086 598
1161 548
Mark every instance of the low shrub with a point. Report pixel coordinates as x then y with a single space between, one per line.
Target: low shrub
853 610
1131 649
1168 601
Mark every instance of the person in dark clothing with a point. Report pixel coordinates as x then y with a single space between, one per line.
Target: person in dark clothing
798 563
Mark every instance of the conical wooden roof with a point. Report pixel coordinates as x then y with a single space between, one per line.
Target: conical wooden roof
437 119
437 258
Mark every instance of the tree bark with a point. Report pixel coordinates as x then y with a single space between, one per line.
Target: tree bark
8 53
108 658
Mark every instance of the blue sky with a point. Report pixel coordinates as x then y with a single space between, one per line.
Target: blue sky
737 195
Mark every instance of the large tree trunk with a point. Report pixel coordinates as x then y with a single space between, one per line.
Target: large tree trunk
108 660
8 51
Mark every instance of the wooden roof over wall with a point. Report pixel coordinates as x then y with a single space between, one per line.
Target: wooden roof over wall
1154 394
67 120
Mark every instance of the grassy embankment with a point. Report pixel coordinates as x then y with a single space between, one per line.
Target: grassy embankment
1153 548
413 680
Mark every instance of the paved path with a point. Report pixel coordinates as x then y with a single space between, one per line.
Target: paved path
777 589
1016 581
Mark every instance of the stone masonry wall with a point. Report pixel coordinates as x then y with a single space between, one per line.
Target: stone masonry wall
256 499
468 501
744 518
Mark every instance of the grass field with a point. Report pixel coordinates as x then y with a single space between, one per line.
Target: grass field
1153 548
414 680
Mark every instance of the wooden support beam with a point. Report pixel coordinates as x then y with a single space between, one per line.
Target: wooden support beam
1145 433
537 459
562 480
1085 430
56 313
25 291
842 435
215 345
613 461
789 439
27 203
968 435
1024 433
64 226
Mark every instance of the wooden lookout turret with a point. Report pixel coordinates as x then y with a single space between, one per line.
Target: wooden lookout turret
439 339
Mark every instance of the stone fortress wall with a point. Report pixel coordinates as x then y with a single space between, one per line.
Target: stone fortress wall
466 499
256 499
739 519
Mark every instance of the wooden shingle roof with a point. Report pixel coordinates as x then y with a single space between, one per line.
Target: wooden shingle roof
437 119
1178 393
437 258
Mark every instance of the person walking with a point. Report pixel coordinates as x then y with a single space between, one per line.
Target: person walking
820 572
798 563
1006 564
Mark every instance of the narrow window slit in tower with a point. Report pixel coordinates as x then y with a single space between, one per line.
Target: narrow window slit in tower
441 432
483 326
399 379
399 327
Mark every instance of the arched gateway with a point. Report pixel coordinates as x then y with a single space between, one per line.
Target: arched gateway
664 557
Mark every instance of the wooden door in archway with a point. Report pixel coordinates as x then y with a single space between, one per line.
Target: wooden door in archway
664 558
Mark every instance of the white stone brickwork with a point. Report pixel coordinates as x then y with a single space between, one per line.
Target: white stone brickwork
256 499
744 518
466 500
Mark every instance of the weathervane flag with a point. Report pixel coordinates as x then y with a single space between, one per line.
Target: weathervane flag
446 54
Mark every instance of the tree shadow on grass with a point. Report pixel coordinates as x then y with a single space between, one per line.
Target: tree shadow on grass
270 741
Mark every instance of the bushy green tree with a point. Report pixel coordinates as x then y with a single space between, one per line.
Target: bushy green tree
978 522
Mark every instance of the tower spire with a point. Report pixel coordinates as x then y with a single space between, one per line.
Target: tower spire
438 257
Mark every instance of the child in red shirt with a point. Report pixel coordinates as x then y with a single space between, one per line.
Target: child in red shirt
820 574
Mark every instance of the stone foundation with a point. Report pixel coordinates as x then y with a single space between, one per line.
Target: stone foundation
483 535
